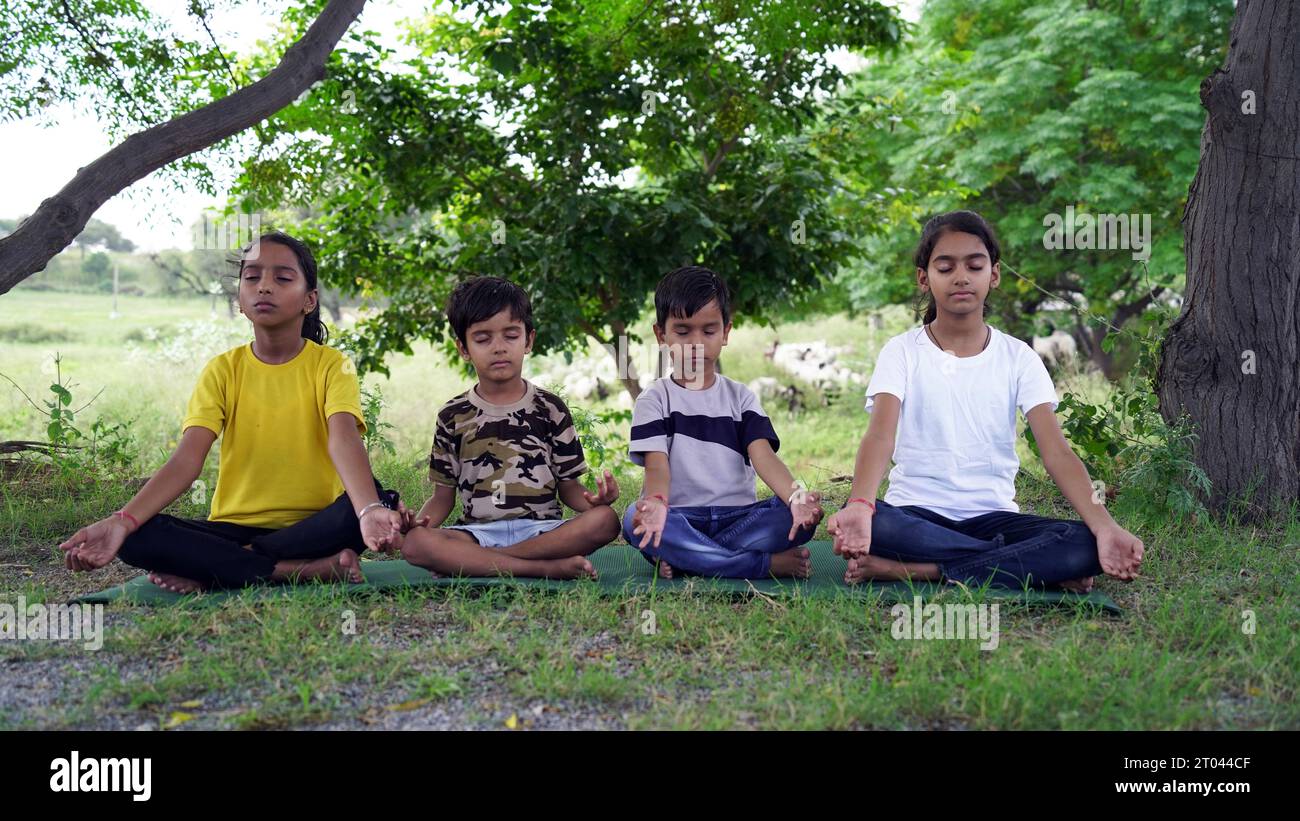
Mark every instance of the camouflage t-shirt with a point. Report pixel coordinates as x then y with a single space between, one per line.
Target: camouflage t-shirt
506 461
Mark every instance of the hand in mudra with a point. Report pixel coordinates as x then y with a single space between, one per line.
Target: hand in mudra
94 546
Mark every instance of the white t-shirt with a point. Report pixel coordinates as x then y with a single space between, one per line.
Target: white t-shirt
955 449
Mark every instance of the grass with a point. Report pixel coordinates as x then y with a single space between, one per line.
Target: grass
511 656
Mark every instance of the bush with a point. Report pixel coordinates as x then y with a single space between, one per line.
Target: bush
1127 445
602 446
376 437
108 448
29 334
190 343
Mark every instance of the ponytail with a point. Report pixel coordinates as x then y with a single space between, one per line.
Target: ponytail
313 328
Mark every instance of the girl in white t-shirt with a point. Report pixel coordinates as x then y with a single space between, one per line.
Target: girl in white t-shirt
943 400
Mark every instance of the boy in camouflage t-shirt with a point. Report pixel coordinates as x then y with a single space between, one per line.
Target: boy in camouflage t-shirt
506 461
509 452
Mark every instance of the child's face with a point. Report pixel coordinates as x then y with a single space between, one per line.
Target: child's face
497 347
272 288
959 275
694 342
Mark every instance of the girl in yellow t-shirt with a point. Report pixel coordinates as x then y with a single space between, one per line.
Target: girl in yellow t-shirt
295 496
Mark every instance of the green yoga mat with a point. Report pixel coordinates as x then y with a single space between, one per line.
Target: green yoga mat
621 570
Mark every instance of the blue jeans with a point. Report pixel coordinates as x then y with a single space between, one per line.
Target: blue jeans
730 541
1002 548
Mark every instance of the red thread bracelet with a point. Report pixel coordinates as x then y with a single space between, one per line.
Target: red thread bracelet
125 515
660 497
866 502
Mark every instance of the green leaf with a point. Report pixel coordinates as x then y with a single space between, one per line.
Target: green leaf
503 60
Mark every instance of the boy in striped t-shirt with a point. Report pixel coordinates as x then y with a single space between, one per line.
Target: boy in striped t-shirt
702 439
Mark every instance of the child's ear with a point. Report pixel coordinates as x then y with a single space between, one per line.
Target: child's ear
532 340
659 333
923 279
996 276
726 331
312 296
460 348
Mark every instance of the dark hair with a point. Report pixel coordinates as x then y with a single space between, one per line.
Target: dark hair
966 222
312 327
480 298
685 290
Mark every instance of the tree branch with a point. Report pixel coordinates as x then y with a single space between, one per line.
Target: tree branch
179 273
730 142
89 43
1126 312
60 218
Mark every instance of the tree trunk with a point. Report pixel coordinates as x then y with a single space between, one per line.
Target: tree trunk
330 300
59 219
630 381
1230 360
1087 342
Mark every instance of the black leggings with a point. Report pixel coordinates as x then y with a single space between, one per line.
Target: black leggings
213 554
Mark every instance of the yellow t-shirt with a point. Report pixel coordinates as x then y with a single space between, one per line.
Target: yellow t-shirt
275 468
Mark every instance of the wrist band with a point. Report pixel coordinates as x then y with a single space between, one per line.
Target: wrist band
660 497
123 514
866 502
368 508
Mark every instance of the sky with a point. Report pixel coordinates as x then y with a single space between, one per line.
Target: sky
151 213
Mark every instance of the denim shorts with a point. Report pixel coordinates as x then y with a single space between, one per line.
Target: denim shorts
507 532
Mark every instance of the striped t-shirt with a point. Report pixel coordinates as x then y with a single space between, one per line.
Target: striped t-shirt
706 434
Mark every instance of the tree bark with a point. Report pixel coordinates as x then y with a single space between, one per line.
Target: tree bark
1230 360
631 381
331 300
62 217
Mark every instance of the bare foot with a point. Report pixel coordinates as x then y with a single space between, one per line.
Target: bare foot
574 567
342 566
1083 585
864 568
176 584
665 570
793 562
